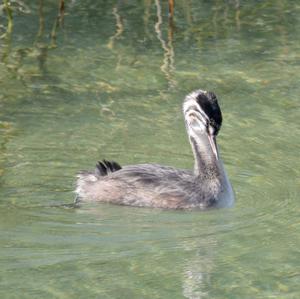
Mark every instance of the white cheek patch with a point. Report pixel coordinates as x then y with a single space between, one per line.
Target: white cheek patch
196 123
186 106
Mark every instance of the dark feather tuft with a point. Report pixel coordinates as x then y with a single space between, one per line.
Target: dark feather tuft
209 104
105 167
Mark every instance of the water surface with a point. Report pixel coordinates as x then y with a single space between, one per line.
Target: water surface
109 83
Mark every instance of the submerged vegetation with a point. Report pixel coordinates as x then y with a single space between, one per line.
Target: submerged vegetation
195 24
9 8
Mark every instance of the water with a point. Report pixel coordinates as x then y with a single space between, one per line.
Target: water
109 84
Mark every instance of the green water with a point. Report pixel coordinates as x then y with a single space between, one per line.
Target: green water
110 84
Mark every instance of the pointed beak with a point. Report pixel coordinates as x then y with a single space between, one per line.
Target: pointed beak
213 144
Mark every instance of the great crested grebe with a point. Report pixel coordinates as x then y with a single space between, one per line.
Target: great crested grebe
158 186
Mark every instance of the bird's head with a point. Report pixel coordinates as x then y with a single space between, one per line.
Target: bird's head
203 116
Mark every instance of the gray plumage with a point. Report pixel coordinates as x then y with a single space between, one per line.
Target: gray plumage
153 185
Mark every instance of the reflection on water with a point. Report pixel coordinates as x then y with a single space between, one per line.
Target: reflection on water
197 271
168 62
105 79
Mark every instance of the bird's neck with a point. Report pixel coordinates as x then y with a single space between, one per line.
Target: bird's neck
207 166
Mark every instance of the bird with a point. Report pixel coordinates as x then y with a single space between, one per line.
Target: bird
157 186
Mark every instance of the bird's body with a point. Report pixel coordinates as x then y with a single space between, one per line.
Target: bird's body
153 185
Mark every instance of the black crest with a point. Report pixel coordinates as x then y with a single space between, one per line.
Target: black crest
209 104
105 167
